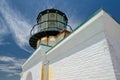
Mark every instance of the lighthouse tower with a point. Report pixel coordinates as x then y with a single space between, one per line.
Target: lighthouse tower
50 29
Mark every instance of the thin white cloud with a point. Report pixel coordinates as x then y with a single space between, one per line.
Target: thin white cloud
49 4
9 75
2 42
7 59
73 23
5 68
17 24
3 31
12 68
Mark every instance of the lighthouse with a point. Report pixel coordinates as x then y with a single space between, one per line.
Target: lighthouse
90 52
50 29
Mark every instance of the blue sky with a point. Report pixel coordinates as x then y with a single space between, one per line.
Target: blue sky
18 16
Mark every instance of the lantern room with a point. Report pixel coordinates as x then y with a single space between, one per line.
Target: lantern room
50 24
51 19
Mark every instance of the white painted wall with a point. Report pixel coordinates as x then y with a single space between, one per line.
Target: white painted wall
90 63
112 31
35 71
35 58
85 54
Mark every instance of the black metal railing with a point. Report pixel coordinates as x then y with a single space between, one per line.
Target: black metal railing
38 28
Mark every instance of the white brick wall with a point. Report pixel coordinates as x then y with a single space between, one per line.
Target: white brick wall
90 63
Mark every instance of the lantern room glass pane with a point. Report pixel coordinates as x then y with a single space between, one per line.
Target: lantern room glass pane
64 20
44 17
52 21
52 16
43 26
60 25
59 18
52 24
